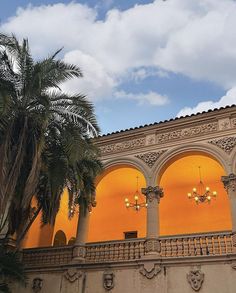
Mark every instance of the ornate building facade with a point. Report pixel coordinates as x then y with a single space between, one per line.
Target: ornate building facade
176 243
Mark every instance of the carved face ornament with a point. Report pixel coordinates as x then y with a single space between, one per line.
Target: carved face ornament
37 285
195 279
108 281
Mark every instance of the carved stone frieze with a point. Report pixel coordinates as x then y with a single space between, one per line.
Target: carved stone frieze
229 182
224 124
122 146
37 285
152 245
150 270
153 192
150 139
72 275
195 278
108 280
226 144
187 132
150 158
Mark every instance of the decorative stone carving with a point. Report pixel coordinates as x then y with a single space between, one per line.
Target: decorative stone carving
122 146
108 280
233 122
150 158
150 270
187 132
150 139
153 192
224 124
72 275
226 144
79 251
37 284
195 278
152 245
229 182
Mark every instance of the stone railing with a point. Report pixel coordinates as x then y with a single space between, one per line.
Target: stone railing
47 256
196 245
115 250
213 244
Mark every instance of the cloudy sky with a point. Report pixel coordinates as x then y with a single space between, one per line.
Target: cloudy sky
143 61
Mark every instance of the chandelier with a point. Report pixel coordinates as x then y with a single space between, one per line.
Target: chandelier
136 205
202 194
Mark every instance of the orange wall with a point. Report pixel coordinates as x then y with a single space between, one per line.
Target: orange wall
110 219
178 214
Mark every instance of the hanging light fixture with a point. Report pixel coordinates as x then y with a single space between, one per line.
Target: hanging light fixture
202 194
136 205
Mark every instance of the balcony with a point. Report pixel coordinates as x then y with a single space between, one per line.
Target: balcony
204 245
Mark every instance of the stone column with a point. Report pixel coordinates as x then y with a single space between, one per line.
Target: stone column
230 186
153 195
82 234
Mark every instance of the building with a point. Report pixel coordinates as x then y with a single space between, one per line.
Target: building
173 245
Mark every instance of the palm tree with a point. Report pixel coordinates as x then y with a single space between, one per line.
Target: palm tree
45 136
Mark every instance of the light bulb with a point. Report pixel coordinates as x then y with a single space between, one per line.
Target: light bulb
126 200
189 195
194 189
196 198
127 204
136 197
214 193
209 198
146 204
207 188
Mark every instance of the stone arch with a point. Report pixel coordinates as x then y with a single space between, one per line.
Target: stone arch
170 155
124 162
59 239
177 173
110 219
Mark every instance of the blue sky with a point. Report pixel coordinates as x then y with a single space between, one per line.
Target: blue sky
143 61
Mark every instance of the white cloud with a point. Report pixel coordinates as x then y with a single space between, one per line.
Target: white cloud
151 98
192 37
228 99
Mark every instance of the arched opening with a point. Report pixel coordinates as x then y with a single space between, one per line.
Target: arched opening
71 241
59 239
111 220
181 215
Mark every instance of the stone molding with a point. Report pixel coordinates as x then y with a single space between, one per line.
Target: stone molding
122 146
227 144
229 182
187 132
150 270
153 192
150 158
195 278
72 274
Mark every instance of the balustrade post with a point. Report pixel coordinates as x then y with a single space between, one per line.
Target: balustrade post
230 186
152 243
79 250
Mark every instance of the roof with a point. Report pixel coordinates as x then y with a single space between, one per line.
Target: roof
166 121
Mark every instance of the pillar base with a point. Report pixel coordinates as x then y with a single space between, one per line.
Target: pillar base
152 248
79 253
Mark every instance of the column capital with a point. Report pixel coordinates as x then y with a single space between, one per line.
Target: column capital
229 182
153 192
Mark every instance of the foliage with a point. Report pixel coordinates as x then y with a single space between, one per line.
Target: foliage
45 137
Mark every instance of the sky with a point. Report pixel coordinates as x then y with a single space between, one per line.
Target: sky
143 61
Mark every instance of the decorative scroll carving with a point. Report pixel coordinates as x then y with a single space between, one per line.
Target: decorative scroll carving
122 146
108 280
229 182
224 124
233 122
37 284
150 139
153 192
226 144
150 158
72 275
195 279
187 132
150 270
152 245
